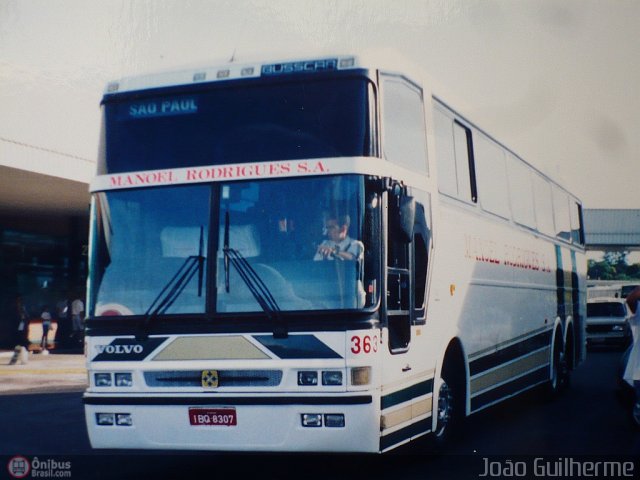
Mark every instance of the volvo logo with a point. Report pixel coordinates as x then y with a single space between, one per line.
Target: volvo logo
126 349
120 349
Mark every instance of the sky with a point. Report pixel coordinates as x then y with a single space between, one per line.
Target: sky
555 80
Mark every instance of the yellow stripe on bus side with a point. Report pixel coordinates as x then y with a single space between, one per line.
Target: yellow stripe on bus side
502 374
404 414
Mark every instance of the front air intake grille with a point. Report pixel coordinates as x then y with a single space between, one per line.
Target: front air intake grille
226 378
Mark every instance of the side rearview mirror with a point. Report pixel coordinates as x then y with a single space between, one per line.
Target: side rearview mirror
407 217
403 215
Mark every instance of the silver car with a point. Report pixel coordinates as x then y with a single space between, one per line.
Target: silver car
607 322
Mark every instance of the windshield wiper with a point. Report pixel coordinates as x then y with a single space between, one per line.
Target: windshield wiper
254 283
174 288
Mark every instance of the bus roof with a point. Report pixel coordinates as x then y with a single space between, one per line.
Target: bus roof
233 71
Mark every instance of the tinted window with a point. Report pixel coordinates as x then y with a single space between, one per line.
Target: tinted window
309 254
461 141
405 141
521 192
543 205
142 238
606 309
577 232
445 155
492 178
561 213
454 152
149 247
238 124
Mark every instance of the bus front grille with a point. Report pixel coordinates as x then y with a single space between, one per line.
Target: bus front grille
226 378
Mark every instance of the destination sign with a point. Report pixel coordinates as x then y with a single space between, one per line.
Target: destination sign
162 107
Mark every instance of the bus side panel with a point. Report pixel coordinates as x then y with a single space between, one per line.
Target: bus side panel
494 287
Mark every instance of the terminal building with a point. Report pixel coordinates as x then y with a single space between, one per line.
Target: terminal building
44 223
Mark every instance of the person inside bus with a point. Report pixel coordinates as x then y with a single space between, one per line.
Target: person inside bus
338 245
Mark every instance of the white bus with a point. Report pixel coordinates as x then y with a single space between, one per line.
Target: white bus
316 255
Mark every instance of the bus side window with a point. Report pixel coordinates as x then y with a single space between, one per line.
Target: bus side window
454 154
577 228
491 176
465 162
561 213
543 205
445 155
404 132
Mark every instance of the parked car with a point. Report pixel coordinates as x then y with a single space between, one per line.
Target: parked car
607 322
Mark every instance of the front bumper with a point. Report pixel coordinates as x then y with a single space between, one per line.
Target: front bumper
264 423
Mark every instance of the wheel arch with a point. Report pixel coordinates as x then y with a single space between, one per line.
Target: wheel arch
454 356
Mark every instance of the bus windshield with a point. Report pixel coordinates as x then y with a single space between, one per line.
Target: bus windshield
305 238
238 123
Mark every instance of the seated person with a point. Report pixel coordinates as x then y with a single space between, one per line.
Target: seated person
339 245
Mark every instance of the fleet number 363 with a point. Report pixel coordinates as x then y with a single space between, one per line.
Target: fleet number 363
364 344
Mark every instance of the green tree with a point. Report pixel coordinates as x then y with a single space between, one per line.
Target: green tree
633 271
613 266
601 270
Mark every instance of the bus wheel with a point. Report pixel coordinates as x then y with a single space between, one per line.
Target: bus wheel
559 378
448 409
444 412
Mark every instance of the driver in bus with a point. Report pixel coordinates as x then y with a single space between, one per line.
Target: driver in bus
338 245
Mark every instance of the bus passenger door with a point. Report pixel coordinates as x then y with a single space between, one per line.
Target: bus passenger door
398 274
406 271
401 283
407 383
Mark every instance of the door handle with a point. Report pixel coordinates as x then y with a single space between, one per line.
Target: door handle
406 368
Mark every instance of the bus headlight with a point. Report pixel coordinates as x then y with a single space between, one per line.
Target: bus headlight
102 379
331 377
124 380
307 378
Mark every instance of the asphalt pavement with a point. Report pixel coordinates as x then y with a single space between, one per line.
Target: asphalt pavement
59 372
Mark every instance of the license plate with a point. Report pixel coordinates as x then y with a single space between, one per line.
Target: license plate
213 417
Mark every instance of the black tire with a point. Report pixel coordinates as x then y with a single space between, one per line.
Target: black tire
559 374
450 407
635 413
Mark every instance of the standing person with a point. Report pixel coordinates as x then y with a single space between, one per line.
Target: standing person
46 325
77 318
632 370
21 333
64 321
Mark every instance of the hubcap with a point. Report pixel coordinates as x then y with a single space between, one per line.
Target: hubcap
445 408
